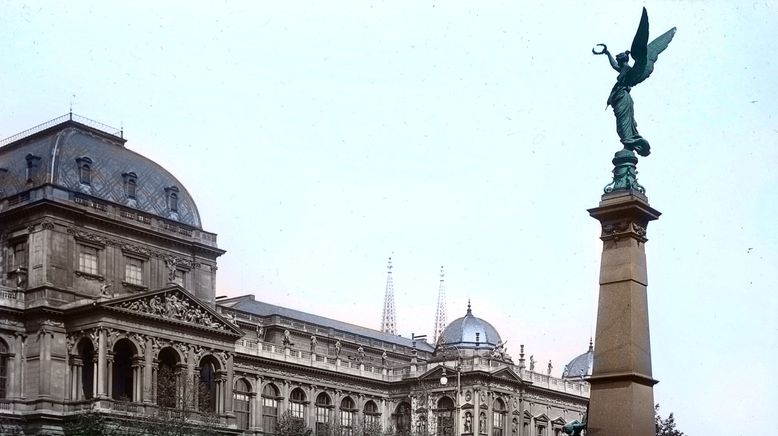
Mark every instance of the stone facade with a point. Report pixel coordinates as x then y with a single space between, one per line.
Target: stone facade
107 302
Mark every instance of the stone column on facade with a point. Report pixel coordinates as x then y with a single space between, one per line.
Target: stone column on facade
191 384
310 419
622 393
154 372
44 356
256 406
229 385
148 359
285 400
476 412
19 375
137 380
109 375
102 363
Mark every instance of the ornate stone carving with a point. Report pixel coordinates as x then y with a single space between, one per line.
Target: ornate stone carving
173 305
615 230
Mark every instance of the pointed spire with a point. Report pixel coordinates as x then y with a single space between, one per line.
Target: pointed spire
591 344
469 312
389 318
440 314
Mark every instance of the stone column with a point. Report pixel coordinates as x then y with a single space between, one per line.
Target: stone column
476 412
147 375
229 384
44 353
256 405
622 393
18 377
109 375
102 363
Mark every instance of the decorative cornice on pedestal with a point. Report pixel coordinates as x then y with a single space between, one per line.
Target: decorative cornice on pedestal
624 214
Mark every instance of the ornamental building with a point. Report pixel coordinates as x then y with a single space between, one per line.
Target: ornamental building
107 304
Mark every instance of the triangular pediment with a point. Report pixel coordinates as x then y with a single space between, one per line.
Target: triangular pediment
559 421
436 372
541 418
173 304
507 374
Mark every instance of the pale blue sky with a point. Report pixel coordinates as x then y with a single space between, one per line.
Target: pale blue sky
320 137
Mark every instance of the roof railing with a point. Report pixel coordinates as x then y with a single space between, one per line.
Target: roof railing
70 116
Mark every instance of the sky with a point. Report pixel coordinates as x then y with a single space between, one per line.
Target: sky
320 138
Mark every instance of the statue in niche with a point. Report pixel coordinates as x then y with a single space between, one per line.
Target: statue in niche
482 423
468 423
644 55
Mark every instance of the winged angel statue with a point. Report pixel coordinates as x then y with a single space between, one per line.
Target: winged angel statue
644 55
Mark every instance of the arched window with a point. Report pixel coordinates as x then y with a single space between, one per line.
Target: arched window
167 378
323 414
445 416
347 413
372 416
402 418
242 397
270 399
86 352
297 404
498 418
124 373
206 392
3 369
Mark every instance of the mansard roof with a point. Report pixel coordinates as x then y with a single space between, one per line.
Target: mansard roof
57 149
248 304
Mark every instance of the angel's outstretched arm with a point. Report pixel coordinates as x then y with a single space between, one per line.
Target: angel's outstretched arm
605 51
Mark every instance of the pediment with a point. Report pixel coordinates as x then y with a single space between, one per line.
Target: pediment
559 421
507 374
174 304
541 418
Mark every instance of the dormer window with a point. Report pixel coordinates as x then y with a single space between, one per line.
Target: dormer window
33 163
130 184
172 199
84 170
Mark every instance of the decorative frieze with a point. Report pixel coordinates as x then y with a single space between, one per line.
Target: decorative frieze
173 305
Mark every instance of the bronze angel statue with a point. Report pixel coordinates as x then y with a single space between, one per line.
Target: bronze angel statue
644 55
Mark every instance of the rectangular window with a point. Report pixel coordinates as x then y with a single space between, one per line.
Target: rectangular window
346 422
497 423
87 260
296 410
133 271
242 410
269 414
19 259
541 430
322 421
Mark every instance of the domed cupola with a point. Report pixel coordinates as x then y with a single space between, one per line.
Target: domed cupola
469 331
581 366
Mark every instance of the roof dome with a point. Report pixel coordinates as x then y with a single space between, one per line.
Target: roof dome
469 332
89 158
581 366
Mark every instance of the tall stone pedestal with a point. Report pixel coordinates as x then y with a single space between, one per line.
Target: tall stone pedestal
622 393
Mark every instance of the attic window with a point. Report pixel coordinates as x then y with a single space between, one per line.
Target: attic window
84 170
172 198
33 163
130 184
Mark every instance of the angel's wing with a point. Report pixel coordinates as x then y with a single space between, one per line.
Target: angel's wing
645 55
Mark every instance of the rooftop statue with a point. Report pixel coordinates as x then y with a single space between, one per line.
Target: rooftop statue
644 56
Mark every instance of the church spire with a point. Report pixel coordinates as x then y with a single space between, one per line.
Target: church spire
389 318
440 313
